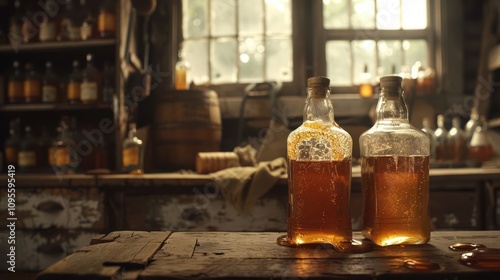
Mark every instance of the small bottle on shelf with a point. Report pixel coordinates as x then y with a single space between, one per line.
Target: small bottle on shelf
48 26
133 152
74 84
27 156
64 151
50 84
182 75
88 27
481 148
32 85
106 21
15 90
89 88
441 134
15 24
12 143
70 22
457 142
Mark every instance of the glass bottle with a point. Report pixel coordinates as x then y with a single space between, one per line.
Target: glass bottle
481 148
441 134
472 123
88 27
133 152
50 85
29 30
395 173
27 156
64 151
89 88
319 177
70 22
15 24
12 144
426 127
106 21
32 85
74 84
182 75
366 87
457 147
49 24
16 87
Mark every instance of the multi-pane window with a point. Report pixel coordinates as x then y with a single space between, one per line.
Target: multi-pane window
238 41
384 36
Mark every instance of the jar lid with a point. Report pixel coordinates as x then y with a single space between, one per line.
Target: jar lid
391 81
318 81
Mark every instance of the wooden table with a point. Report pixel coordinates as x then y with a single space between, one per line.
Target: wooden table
232 255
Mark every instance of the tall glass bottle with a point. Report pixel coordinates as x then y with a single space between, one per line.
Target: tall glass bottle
16 88
27 156
50 85
15 24
32 85
74 84
319 175
133 152
441 133
457 146
395 173
106 20
89 88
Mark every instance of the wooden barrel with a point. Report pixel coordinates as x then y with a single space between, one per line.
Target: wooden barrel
186 123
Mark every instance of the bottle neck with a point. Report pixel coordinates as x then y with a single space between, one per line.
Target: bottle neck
318 105
391 105
132 133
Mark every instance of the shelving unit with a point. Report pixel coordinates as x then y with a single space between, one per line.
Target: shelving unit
56 46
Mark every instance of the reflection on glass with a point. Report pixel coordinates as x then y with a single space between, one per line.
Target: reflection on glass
389 54
363 14
363 54
336 14
278 17
279 65
223 59
194 21
415 50
251 60
223 17
196 52
338 62
414 14
250 16
388 14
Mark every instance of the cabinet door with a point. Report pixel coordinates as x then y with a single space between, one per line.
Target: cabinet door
41 208
198 211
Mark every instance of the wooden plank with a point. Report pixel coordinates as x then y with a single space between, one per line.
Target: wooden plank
179 245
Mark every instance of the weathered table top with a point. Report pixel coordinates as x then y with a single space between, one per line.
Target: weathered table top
232 255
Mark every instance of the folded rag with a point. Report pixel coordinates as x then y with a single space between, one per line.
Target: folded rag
243 186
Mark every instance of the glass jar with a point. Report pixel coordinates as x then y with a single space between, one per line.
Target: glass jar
395 173
319 173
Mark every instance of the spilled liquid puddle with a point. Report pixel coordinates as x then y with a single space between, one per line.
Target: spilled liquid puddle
481 258
466 246
421 265
353 247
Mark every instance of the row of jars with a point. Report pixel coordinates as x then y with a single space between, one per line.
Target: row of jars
458 145
89 85
43 152
395 163
68 20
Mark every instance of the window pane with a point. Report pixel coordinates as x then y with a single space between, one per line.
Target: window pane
250 15
389 53
336 14
414 14
194 21
223 17
388 14
251 60
223 59
278 17
363 54
363 14
279 66
338 62
415 50
197 56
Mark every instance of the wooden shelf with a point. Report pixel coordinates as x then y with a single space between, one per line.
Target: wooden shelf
54 46
52 107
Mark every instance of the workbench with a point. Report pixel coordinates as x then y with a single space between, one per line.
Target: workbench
252 255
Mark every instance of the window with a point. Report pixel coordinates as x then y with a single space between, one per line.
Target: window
238 41
383 36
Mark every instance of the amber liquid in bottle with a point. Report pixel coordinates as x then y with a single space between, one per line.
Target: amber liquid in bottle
319 193
396 199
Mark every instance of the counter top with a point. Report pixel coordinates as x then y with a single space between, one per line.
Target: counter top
252 255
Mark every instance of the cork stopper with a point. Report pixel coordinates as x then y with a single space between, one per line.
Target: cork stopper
391 86
318 81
